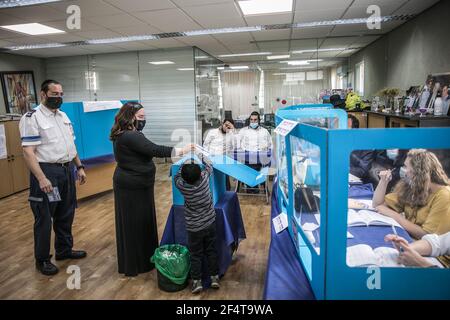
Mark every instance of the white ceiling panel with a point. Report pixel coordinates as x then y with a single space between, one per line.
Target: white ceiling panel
338 42
415 6
361 12
97 34
137 30
311 32
318 15
89 8
164 43
306 44
234 38
66 37
310 5
4 43
26 40
40 13
274 46
272 35
141 5
85 25
117 21
170 20
190 3
269 19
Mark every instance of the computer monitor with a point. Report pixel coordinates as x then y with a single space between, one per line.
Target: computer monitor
228 114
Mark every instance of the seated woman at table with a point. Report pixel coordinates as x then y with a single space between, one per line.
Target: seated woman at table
420 202
200 217
431 245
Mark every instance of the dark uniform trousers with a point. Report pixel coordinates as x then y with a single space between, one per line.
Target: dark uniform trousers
59 214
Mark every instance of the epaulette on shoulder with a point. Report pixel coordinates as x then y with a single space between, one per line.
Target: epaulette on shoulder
30 113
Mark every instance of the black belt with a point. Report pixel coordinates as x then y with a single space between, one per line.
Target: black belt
65 164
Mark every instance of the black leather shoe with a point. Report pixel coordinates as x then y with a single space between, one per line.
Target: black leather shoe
46 267
74 254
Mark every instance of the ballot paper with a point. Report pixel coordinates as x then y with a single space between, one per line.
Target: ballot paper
3 150
309 226
201 150
285 127
54 195
280 222
364 255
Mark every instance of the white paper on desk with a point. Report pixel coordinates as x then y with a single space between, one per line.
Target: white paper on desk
309 226
91 106
201 150
285 127
349 235
353 179
317 217
3 150
280 222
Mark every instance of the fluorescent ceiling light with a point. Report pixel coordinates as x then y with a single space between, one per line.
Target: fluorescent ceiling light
22 3
185 69
121 39
279 74
252 7
282 56
239 67
36 46
296 62
297 68
315 60
342 22
234 67
319 50
244 54
32 29
161 62
222 30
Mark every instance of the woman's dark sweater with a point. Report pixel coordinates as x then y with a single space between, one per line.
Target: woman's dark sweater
134 154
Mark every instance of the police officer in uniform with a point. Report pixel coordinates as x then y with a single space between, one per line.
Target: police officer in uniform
50 153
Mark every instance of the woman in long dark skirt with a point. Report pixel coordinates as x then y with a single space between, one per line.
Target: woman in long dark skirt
134 181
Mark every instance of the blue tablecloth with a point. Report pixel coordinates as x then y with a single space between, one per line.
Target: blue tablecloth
230 230
285 276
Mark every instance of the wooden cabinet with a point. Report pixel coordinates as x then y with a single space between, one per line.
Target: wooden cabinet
13 170
362 118
376 120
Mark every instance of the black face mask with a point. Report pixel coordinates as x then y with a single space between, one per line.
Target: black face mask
54 102
139 124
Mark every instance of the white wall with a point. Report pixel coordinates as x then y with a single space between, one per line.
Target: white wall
10 62
167 94
405 56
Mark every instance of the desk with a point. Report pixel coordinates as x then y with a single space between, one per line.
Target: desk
393 120
99 172
285 277
230 230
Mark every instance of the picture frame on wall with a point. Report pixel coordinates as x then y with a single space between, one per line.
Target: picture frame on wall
19 91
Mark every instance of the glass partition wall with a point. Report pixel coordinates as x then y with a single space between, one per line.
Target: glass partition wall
208 93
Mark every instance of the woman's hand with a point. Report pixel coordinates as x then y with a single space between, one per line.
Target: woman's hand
385 176
385 211
188 148
410 257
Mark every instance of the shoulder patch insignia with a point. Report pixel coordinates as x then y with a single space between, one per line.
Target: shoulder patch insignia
30 113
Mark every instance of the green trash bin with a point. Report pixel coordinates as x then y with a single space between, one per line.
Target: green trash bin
172 262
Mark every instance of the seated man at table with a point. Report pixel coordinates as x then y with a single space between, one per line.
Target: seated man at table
200 216
254 138
420 202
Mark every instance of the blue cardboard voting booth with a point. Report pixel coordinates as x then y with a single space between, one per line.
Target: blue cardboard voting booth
325 261
222 165
91 129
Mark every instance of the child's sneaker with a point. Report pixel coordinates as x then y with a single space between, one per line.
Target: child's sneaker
196 286
215 282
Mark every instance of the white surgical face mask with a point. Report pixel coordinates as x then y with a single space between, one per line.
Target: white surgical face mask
254 125
392 154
